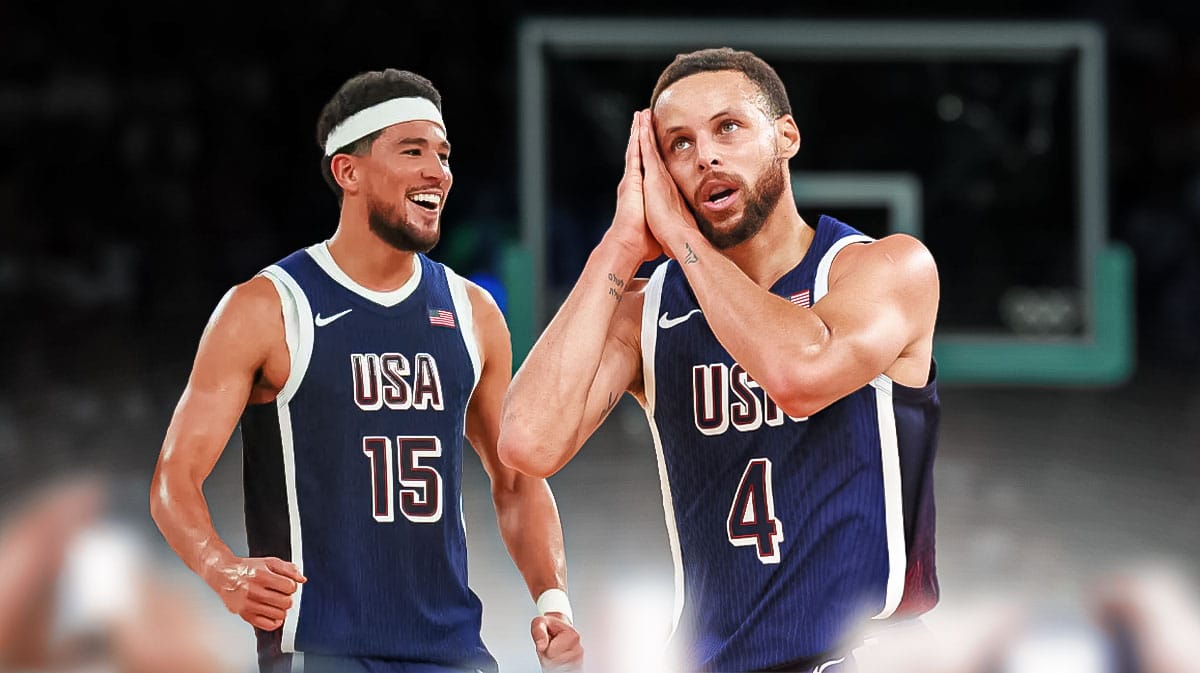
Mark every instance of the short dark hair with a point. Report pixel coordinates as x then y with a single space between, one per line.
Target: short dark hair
774 96
359 93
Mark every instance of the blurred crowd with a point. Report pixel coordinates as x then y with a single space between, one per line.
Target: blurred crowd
81 592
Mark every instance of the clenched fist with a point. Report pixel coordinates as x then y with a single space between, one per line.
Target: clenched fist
557 643
259 590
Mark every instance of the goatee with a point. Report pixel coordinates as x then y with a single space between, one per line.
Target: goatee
399 233
760 202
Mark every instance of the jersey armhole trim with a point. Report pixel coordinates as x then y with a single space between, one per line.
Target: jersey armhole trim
297 326
652 300
889 446
298 333
466 319
821 282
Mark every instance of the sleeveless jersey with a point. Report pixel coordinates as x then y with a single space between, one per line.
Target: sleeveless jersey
354 472
784 531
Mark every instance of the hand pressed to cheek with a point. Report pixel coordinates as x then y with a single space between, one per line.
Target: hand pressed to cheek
629 222
667 214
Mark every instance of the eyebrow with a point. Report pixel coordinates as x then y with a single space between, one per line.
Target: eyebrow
415 140
722 113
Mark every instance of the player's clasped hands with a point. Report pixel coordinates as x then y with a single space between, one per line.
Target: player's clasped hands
648 204
663 204
558 646
629 222
259 590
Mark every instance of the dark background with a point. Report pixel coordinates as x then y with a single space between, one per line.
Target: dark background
154 154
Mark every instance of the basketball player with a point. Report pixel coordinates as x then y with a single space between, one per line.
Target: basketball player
786 371
356 366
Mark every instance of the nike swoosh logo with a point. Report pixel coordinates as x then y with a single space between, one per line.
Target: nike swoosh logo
667 323
321 322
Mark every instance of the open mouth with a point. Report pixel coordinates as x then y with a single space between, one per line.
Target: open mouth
427 200
720 197
718 194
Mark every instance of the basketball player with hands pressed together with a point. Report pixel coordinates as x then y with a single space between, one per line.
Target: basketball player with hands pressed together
786 371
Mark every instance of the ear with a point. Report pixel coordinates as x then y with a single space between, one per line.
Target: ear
787 134
344 168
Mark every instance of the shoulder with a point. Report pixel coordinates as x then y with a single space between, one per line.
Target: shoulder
485 312
255 300
489 326
247 323
897 256
483 305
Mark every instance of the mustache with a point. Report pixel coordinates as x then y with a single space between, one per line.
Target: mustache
714 177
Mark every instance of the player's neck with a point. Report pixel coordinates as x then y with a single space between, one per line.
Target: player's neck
777 248
368 260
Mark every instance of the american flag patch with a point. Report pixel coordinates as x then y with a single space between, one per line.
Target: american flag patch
802 298
441 317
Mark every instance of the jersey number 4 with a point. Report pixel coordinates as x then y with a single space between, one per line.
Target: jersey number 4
752 521
420 484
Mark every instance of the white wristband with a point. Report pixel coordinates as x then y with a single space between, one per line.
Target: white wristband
555 600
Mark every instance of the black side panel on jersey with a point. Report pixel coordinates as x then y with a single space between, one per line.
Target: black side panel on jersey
267 526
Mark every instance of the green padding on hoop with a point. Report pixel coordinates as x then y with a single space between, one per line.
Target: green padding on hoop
1107 359
516 272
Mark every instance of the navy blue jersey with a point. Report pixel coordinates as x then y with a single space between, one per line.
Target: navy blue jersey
354 472
785 531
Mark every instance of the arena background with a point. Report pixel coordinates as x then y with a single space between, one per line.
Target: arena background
155 154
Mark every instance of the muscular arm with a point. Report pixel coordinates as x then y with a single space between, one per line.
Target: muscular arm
877 317
578 369
525 508
588 356
232 356
810 358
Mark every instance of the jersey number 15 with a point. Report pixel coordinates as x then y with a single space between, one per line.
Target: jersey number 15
420 484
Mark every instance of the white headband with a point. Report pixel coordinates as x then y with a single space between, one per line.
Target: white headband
380 116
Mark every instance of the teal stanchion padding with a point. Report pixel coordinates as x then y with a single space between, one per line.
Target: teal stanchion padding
516 272
1106 359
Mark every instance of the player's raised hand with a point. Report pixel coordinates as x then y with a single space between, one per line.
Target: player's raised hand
665 209
558 646
629 222
259 590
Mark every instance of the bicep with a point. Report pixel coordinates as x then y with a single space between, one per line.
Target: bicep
200 427
865 335
882 303
231 354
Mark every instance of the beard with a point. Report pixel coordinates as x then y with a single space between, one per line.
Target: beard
398 232
760 203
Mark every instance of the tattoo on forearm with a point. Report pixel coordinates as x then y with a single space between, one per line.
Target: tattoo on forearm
617 287
691 257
